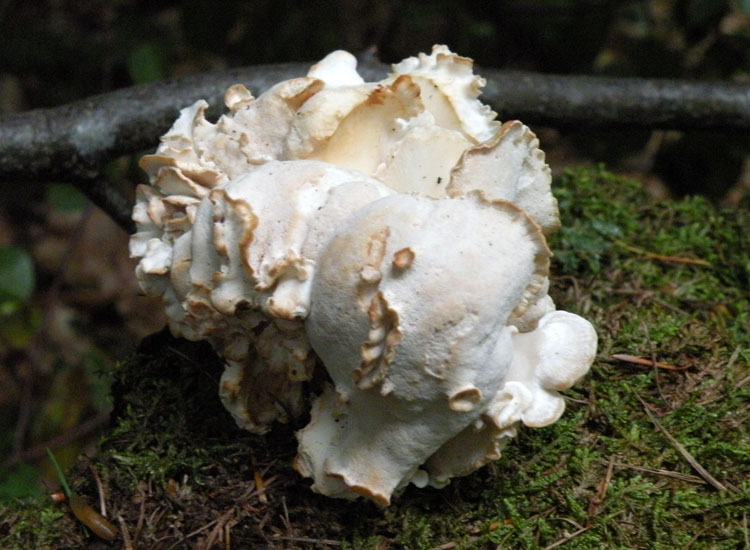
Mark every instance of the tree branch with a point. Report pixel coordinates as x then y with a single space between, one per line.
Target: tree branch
74 142
587 101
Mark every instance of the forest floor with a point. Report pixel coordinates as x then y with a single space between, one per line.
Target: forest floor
653 450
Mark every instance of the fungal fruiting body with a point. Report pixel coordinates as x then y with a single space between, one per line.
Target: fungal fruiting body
391 233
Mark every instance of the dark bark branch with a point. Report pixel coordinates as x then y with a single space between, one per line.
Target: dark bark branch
585 101
110 198
75 141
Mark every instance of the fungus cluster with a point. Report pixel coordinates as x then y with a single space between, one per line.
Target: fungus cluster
388 237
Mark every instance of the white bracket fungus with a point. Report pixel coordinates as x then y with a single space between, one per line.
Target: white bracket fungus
393 232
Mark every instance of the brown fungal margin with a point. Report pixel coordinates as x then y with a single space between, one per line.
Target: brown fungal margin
379 348
403 258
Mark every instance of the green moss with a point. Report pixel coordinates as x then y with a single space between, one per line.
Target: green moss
34 523
665 281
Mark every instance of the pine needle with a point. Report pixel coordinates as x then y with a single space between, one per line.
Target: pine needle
682 450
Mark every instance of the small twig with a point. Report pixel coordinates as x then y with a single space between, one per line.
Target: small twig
574 400
156 515
744 528
601 491
184 356
543 514
228 536
662 257
327 542
667 305
681 449
733 357
141 515
100 490
576 287
660 472
265 519
127 542
252 489
445 546
182 540
221 521
287 523
696 536
647 362
261 487
566 538
652 349
571 522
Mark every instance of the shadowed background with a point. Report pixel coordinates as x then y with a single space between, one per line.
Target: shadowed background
69 306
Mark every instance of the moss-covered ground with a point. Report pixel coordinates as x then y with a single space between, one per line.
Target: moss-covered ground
652 452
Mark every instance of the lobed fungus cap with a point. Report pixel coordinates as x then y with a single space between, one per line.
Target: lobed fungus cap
392 233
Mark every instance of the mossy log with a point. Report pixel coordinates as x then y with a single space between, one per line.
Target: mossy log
652 452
